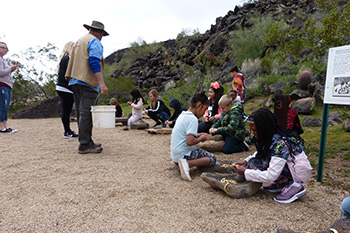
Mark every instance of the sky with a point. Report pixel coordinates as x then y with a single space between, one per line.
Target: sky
34 23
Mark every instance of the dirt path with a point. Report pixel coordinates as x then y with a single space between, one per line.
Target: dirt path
132 186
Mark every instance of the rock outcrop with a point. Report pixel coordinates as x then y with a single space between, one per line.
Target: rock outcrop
164 67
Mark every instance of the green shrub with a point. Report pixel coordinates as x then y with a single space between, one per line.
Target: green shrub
117 88
137 49
185 35
248 43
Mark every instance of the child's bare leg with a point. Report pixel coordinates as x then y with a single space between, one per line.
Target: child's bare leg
205 161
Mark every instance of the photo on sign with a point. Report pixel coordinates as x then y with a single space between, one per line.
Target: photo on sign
341 87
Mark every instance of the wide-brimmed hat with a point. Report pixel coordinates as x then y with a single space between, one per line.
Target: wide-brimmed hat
98 26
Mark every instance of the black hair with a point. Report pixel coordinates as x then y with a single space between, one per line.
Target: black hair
136 95
234 69
266 126
199 97
5 45
218 94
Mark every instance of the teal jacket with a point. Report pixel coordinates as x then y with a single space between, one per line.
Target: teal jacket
232 123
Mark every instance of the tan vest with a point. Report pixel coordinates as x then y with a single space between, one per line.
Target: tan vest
78 66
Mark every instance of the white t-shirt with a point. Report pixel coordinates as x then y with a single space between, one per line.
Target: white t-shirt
186 124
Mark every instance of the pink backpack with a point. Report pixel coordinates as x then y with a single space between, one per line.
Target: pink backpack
299 166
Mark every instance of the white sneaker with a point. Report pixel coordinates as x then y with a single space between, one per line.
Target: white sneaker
184 169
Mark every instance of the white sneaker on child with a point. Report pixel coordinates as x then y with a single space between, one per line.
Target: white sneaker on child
184 169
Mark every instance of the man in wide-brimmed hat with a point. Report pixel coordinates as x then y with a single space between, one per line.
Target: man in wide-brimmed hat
84 72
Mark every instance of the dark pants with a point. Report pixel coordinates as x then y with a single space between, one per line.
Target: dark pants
158 118
204 127
67 104
231 145
84 98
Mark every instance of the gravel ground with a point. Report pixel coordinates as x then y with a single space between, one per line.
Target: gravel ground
132 186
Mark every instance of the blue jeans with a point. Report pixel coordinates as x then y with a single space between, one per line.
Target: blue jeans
231 145
5 100
163 116
159 118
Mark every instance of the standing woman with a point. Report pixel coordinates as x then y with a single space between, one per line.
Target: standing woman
64 91
6 84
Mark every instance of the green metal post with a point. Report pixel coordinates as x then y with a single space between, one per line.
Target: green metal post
322 142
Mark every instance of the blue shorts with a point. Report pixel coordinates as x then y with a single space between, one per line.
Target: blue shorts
198 153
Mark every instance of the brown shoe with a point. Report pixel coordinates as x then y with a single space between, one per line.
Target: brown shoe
93 150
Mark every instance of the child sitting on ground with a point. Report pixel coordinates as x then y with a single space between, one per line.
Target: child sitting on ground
178 109
136 106
184 137
230 125
236 99
157 110
214 111
118 108
280 158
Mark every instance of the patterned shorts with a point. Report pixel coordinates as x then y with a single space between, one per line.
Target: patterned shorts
198 153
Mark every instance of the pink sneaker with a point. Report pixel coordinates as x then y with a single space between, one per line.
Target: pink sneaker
290 194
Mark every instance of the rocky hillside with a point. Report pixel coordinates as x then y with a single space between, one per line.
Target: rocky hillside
163 68
208 57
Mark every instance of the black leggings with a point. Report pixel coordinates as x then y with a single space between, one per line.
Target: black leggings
67 103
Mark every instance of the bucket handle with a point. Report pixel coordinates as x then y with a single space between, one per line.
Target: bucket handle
96 99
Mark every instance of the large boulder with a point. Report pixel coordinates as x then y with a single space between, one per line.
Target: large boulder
299 94
231 184
346 124
278 86
211 145
311 121
334 118
305 105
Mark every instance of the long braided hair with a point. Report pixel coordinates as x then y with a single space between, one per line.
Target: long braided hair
266 126
218 94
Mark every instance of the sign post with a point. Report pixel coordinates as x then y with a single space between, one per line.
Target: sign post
322 142
337 91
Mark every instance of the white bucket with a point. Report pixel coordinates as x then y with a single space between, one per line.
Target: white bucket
103 116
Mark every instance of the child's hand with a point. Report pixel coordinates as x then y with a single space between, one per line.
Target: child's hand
168 122
129 102
211 119
241 163
202 137
240 169
145 112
